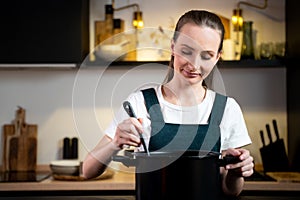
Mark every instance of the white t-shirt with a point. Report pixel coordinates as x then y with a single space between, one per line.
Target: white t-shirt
233 129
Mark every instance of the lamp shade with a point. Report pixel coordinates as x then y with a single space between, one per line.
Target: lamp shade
237 20
138 19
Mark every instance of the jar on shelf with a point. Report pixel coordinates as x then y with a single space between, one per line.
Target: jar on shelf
247 51
266 50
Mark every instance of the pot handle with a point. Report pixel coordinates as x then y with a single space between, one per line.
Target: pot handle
127 161
229 159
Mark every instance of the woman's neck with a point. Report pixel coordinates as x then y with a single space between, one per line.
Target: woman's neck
183 95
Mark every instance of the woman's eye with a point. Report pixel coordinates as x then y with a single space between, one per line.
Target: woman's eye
186 52
206 56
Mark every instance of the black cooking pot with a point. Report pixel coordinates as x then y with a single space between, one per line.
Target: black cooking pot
170 175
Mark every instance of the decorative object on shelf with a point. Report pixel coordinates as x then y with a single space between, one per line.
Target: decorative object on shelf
118 47
238 21
228 44
109 27
111 43
266 50
247 51
228 50
279 50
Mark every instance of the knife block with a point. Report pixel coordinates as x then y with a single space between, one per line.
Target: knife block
274 156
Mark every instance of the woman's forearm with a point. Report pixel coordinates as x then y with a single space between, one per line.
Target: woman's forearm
97 160
232 185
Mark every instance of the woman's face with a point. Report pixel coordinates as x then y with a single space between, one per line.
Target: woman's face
195 52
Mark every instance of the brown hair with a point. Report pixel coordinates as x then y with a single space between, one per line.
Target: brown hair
201 18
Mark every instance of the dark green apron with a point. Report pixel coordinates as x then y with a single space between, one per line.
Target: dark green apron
167 136
201 178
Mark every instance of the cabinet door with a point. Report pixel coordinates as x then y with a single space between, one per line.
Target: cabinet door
293 74
44 31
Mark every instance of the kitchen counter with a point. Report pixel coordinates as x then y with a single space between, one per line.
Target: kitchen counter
124 181
121 183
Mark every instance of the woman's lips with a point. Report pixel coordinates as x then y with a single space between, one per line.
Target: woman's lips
191 74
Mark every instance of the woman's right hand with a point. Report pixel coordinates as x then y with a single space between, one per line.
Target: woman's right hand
128 133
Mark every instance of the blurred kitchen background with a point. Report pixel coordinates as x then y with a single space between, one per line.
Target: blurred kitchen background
82 102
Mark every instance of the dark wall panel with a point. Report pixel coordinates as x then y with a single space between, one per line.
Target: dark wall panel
44 31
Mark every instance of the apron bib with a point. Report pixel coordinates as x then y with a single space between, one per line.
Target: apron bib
173 137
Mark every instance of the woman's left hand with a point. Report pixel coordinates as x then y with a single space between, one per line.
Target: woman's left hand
244 168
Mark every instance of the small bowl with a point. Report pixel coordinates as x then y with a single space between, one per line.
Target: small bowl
112 52
65 167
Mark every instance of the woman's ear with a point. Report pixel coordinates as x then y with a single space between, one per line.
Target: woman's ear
172 47
219 55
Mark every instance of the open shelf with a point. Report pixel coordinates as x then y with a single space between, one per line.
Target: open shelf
221 64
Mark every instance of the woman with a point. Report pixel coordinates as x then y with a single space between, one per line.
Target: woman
183 99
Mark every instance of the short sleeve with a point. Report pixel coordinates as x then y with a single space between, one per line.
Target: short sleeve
234 131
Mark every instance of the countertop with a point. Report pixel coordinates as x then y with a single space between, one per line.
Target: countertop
119 181
124 182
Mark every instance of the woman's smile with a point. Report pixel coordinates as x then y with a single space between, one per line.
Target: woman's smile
187 73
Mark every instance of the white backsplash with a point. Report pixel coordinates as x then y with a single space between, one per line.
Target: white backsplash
48 95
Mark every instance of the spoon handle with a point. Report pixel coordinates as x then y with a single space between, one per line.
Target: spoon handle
128 108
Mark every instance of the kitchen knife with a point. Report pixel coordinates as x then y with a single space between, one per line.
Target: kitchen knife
269 133
262 137
276 129
128 108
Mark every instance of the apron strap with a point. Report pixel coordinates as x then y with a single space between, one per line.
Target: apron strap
218 109
153 108
152 105
212 138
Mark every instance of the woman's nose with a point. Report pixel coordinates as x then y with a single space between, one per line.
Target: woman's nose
194 63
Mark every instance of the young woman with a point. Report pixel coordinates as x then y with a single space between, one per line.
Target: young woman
183 99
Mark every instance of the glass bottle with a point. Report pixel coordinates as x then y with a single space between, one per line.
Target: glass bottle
247 51
109 20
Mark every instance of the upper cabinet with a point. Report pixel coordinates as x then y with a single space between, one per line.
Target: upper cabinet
44 32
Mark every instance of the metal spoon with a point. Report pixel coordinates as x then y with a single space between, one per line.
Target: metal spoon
128 108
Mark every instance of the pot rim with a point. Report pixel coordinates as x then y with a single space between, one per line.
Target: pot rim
177 153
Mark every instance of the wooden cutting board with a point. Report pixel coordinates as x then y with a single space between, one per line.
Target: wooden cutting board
19 150
285 176
107 174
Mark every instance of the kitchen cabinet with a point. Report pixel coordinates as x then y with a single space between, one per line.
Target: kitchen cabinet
293 74
44 32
